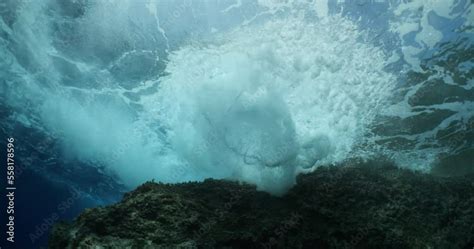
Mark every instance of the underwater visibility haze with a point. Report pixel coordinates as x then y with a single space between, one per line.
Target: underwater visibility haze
102 96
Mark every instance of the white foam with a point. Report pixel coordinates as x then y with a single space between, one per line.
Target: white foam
256 104
413 16
264 100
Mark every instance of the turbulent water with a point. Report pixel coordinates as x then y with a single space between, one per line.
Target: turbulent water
120 92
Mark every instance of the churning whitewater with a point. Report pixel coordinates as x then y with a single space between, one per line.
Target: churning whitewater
140 92
261 103
101 96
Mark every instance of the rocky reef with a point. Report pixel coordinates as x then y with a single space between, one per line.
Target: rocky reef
355 205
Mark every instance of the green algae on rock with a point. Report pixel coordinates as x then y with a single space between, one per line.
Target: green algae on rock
363 206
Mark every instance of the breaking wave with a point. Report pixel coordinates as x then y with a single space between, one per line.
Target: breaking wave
172 92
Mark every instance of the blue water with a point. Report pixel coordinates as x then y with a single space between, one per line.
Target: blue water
101 96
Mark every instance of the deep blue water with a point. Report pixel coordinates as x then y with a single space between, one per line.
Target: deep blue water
101 96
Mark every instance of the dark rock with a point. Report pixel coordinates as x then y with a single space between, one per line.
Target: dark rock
354 205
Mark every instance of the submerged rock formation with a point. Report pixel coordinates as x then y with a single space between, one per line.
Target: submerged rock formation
363 206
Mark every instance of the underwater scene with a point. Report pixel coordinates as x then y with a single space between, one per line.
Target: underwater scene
237 124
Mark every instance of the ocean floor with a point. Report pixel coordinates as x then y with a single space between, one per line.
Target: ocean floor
354 205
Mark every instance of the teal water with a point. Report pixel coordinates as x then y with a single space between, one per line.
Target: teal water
104 95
